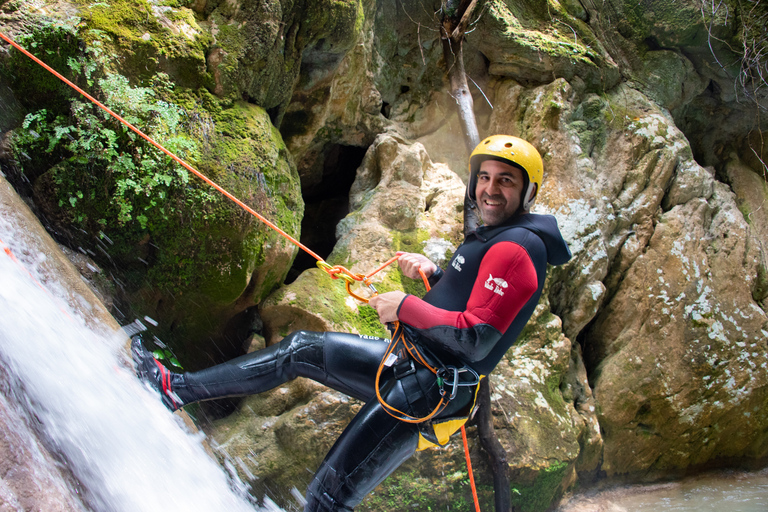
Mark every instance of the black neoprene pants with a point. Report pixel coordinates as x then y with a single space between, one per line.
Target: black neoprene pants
374 443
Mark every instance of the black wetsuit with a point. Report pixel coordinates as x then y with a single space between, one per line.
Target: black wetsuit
464 319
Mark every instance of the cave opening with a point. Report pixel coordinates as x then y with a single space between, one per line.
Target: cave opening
325 204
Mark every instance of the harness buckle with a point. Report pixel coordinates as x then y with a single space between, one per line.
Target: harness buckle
404 369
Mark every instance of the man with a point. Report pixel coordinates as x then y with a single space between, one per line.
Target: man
462 327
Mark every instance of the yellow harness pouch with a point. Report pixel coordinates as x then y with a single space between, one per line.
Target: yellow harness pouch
438 432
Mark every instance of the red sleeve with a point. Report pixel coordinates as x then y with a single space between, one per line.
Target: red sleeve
505 281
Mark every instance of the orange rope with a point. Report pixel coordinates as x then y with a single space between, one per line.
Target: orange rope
161 148
463 430
335 272
469 468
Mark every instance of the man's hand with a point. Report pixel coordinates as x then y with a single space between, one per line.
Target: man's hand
411 262
386 305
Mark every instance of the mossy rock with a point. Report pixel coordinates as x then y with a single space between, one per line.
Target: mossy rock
317 302
535 491
167 36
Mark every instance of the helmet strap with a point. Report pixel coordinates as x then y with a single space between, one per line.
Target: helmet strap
529 196
526 201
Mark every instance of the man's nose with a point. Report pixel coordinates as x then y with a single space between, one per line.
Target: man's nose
493 186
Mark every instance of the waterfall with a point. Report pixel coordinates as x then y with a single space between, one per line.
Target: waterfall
74 384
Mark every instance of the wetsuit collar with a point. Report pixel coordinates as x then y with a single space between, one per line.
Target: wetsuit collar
485 233
544 226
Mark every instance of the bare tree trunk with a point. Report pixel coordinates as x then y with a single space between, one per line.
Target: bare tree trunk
453 55
452 30
454 61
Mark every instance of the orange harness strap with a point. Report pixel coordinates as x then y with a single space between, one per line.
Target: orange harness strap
399 340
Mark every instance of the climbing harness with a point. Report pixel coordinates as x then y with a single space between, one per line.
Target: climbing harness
432 432
437 431
402 352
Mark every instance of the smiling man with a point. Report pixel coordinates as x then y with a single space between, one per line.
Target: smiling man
477 308
461 328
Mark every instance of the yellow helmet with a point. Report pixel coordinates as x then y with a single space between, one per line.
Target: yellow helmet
511 150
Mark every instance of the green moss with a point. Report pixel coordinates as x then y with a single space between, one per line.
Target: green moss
411 491
139 33
368 322
529 30
134 22
410 241
317 292
672 24
538 495
55 45
745 210
589 123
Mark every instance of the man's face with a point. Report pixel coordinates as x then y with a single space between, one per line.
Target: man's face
498 191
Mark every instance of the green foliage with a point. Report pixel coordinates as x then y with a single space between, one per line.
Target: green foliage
54 45
106 171
98 176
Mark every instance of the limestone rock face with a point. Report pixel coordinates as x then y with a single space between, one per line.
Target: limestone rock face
544 411
663 293
681 376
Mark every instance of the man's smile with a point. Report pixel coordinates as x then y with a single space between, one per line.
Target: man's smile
488 201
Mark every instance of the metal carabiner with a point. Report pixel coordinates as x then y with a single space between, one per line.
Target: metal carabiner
441 381
466 369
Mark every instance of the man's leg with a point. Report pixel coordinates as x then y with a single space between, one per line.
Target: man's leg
345 362
372 446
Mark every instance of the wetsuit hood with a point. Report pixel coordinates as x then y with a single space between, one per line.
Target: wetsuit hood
544 226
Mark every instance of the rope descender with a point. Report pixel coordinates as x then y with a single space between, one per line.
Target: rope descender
340 272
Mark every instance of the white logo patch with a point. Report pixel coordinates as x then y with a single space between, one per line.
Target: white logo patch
496 284
458 262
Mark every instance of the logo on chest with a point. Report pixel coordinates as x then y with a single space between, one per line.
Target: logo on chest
496 284
458 262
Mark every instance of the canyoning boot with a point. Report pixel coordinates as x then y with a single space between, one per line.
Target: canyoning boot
152 371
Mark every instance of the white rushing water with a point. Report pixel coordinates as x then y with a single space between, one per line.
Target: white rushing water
124 448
